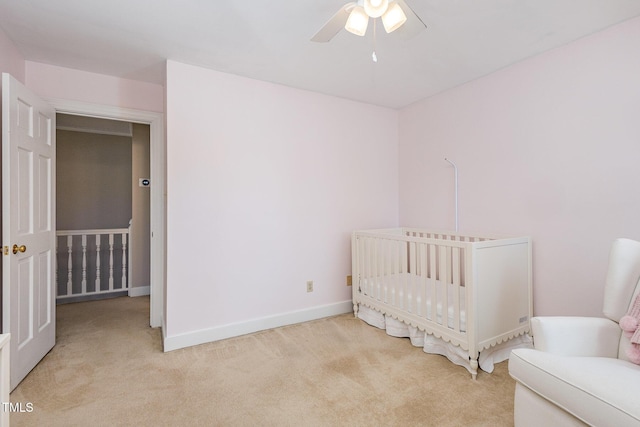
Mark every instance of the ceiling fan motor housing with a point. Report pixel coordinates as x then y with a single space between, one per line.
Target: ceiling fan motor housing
375 8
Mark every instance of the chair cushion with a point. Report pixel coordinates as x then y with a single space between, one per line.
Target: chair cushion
597 390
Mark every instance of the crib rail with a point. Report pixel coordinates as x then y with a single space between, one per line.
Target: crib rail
421 234
92 262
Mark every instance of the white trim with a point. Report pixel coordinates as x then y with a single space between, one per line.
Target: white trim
155 121
93 131
202 336
140 291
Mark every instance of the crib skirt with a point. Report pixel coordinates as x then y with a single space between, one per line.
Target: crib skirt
433 345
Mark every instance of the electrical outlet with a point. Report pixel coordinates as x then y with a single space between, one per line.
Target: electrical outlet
310 286
349 281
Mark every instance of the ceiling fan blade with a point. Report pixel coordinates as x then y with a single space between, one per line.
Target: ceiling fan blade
414 23
334 25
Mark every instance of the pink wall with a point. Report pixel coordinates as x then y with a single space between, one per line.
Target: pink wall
549 147
50 81
57 82
11 61
265 184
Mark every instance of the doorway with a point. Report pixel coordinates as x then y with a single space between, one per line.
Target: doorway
103 202
156 186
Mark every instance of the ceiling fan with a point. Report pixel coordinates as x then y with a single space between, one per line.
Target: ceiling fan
354 17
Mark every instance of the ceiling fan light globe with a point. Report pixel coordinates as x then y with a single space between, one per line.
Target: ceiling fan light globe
375 8
393 18
357 22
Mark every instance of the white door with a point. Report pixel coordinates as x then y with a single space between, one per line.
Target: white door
28 226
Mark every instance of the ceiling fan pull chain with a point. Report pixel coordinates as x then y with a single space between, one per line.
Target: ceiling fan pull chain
373 55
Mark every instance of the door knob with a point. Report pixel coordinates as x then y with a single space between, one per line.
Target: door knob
21 248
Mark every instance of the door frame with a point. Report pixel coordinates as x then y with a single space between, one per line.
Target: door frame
155 121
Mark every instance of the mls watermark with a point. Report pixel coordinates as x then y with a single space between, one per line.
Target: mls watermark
17 407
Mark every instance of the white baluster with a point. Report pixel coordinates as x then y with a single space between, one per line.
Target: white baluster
84 264
110 261
124 261
98 263
69 266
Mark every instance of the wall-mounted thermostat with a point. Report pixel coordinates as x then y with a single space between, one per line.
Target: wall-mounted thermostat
144 182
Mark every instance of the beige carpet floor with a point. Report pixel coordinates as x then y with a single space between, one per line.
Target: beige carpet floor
108 369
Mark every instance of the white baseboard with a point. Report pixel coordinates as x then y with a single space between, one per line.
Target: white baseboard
140 291
202 336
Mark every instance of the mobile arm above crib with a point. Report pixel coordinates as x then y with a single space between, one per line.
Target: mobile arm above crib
455 172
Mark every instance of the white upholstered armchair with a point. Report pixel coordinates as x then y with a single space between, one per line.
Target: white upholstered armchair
579 371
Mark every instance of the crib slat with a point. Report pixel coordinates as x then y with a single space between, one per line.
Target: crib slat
413 270
404 285
389 268
376 288
366 268
422 284
358 267
380 282
444 282
402 290
393 259
389 254
402 261
388 284
432 281
367 265
363 265
375 269
455 265
379 269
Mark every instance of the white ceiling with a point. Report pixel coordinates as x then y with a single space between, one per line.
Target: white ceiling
269 40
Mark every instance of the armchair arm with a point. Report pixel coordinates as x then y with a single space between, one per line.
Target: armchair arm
576 336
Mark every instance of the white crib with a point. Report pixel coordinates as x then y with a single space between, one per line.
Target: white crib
470 293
